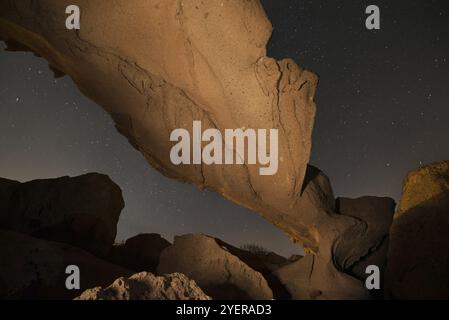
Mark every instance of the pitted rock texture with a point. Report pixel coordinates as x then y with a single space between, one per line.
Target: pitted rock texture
146 286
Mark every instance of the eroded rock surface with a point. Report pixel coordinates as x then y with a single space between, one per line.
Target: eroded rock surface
218 272
32 268
418 257
146 286
82 211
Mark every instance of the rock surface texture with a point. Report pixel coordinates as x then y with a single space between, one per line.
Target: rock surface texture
146 286
81 211
418 257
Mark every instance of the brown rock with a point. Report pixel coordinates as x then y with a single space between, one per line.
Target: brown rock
140 252
81 211
218 272
32 268
418 256
146 286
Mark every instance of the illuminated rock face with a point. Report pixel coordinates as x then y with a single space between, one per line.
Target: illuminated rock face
217 271
159 65
156 66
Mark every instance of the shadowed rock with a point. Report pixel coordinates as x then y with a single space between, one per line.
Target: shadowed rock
32 268
377 215
139 253
146 286
81 211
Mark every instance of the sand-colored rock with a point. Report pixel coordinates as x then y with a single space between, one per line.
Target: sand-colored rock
139 253
418 256
82 211
146 286
218 272
32 268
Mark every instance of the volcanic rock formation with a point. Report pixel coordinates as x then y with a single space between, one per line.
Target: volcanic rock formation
156 66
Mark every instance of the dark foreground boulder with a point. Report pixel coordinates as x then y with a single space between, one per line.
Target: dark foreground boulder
32 268
418 257
81 211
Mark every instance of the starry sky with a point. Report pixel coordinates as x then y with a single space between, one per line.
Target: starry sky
383 109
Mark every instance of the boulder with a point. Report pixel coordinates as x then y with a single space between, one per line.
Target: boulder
81 211
140 252
146 286
218 272
32 268
418 256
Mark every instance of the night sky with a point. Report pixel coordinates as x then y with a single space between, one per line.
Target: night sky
383 109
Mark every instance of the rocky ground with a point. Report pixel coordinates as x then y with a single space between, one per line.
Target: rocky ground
47 225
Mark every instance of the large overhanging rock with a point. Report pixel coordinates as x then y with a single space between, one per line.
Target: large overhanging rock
159 65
